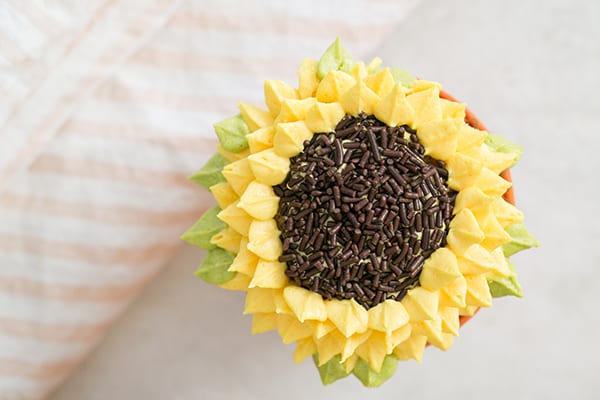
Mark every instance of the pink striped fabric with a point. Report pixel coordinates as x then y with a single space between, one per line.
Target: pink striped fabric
106 107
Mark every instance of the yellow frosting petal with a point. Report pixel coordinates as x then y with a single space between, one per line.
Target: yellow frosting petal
231 157
421 85
323 117
322 328
352 343
472 198
259 201
239 175
413 348
394 109
495 161
476 260
373 350
506 213
305 304
269 274
224 194
281 307
469 137
236 218
348 316
329 346
495 235
263 239
295 110
263 322
259 300
275 92
450 321
491 183
261 139
468 311
463 171
501 267
304 348
453 109
439 137
244 261
289 138
359 98
426 104
268 167
432 329
333 86
421 304
443 341
381 83
454 294
255 117
290 329
388 316
227 239
307 77
464 231
478 291
359 71
394 338
439 269
238 282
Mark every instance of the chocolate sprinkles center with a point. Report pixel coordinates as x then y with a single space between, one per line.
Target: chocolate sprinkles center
361 210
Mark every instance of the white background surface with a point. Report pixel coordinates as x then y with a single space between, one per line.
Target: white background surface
529 70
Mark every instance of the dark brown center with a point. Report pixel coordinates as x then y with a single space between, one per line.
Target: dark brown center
361 210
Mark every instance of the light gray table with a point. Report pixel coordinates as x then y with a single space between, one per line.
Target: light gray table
530 71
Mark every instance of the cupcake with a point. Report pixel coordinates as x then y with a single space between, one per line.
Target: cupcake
366 214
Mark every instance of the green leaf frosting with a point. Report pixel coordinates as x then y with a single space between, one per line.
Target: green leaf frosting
500 286
402 76
335 58
521 240
503 145
214 268
370 378
210 174
232 133
332 370
204 229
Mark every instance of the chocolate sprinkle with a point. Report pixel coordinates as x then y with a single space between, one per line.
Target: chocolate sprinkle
361 210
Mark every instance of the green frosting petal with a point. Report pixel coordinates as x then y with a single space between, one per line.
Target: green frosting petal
214 267
210 174
335 58
370 378
503 145
500 286
204 229
232 133
402 76
332 370
521 240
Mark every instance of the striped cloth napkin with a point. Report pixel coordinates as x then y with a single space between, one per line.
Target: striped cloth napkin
106 107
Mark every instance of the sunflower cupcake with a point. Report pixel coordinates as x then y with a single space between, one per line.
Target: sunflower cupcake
365 213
